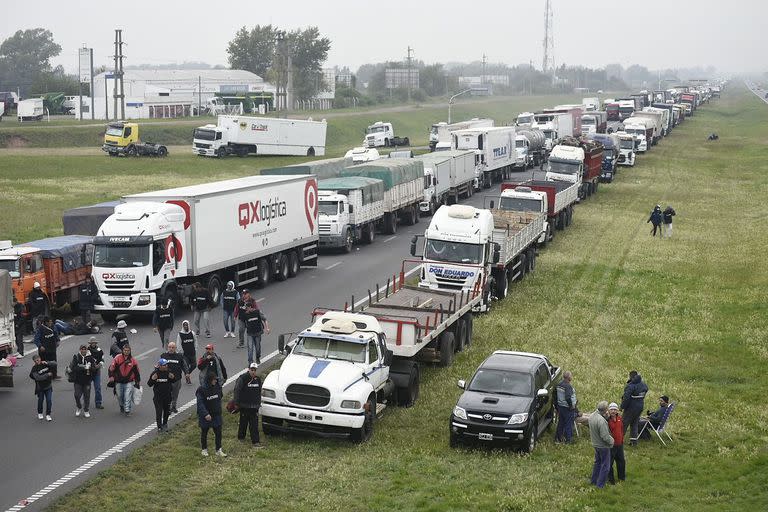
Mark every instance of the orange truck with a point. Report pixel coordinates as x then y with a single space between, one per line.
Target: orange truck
60 264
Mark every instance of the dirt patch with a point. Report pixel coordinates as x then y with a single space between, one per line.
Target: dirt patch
16 141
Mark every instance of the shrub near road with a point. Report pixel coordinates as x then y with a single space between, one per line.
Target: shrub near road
689 313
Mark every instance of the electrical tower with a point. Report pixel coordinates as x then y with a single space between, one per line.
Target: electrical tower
548 65
408 61
119 89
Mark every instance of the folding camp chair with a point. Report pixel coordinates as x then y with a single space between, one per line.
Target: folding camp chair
661 429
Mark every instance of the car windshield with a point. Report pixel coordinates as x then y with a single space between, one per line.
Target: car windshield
115 131
519 204
501 382
329 208
12 266
121 256
201 134
453 252
562 166
331 349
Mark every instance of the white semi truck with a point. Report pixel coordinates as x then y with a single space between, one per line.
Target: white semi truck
627 148
565 163
448 175
351 208
530 148
494 150
383 134
555 126
440 133
661 119
643 129
243 135
471 249
349 366
247 230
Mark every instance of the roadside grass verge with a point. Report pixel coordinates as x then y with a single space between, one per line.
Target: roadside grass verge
689 313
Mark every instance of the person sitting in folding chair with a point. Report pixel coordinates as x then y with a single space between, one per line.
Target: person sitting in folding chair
657 420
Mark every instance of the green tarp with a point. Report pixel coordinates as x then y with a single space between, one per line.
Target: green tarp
372 188
392 171
328 168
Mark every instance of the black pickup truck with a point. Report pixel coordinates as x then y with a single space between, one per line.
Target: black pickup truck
510 399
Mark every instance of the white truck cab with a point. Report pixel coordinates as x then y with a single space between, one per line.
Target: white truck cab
566 163
379 134
209 140
523 199
522 146
637 126
626 148
525 120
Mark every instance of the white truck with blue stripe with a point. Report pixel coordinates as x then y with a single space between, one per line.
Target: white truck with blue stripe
343 371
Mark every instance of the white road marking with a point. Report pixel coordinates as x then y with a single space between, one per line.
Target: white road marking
144 355
261 299
118 448
390 238
334 265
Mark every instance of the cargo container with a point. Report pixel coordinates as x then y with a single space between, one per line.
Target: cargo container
448 175
494 150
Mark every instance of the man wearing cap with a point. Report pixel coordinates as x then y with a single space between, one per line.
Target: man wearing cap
161 381
163 321
98 362
616 426
176 367
602 442
38 304
211 363
654 418
229 298
248 400
244 304
120 339
81 367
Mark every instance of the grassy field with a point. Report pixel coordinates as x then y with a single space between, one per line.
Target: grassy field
689 313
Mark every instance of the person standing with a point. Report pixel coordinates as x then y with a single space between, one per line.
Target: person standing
162 320
188 341
667 215
616 427
42 374
82 367
88 294
120 339
241 314
248 400
176 367
229 300
38 305
47 342
209 396
201 305
211 363
655 220
255 325
98 363
566 409
161 381
602 442
632 403
124 373
18 326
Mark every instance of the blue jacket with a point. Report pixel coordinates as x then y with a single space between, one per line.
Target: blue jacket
634 394
655 217
209 402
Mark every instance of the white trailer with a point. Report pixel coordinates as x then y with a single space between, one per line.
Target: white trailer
7 332
243 135
660 115
31 109
555 126
448 175
494 150
247 230
440 133
350 210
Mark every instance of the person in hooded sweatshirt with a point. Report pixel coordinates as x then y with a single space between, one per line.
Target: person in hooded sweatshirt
98 363
632 403
120 339
187 340
209 396
229 298
82 367
210 362
655 219
38 305
42 374
176 367
248 400
161 381
162 320
47 342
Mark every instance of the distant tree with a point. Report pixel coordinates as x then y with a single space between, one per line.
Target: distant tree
614 70
25 56
308 52
432 80
253 50
57 81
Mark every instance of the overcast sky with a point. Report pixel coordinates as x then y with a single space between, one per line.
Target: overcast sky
730 35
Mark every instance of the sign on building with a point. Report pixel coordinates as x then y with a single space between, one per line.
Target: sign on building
400 78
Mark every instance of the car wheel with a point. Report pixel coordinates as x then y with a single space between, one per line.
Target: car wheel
530 441
365 432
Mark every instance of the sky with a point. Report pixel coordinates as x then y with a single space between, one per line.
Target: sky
658 34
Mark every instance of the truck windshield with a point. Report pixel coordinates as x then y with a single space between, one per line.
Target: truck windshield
331 349
587 120
376 129
115 131
329 208
119 256
501 382
12 266
627 144
524 119
549 134
636 131
519 143
562 166
453 252
202 134
519 204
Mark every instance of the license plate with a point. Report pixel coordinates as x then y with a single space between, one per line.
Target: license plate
485 437
305 417
121 299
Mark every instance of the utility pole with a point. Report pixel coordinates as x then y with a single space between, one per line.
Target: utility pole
408 60
119 74
482 78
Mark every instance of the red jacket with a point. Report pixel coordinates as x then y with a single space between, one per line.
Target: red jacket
617 429
124 370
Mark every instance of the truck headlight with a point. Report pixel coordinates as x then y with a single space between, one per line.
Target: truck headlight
517 419
268 393
144 300
350 404
460 413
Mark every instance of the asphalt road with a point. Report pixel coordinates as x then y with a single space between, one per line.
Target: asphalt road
60 454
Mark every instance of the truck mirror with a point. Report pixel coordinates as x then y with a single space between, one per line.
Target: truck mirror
462 384
496 253
542 393
351 209
388 356
492 204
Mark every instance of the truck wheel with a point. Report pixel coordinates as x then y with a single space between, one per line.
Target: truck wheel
369 233
293 264
348 241
530 441
390 223
460 334
407 396
221 153
569 216
447 347
162 151
502 285
386 143
406 142
282 268
531 260
214 287
365 432
130 150
470 321
263 272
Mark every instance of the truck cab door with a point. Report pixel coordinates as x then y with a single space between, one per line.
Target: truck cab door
376 370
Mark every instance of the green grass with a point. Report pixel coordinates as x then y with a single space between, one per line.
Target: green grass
688 313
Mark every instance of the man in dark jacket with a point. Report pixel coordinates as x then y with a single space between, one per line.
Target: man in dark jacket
82 366
98 363
209 413
211 364
655 219
229 298
47 342
88 294
566 409
201 304
255 325
42 374
18 326
119 339
176 367
163 321
248 400
161 381
667 215
632 403
244 304
38 305
654 418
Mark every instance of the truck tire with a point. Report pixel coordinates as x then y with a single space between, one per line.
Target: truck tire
406 142
569 216
349 241
364 433
560 224
263 272
369 233
390 223
460 334
221 153
531 259
214 287
447 347
411 215
502 285
407 396
294 267
386 143
470 321
130 150
282 268
530 440
162 151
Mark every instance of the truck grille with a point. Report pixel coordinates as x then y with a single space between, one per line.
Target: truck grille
312 396
450 282
324 228
119 285
488 418
202 145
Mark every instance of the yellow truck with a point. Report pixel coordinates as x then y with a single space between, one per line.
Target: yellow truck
122 138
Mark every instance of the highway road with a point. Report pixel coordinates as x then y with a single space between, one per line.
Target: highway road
43 460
